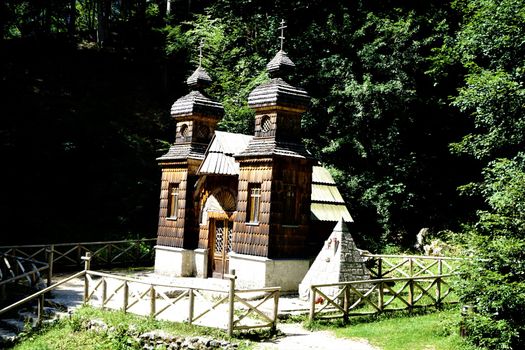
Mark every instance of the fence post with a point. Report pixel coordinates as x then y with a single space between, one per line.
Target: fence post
411 292
231 301
438 281
312 303
110 259
125 296
411 264
152 296
87 266
346 303
104 292
190 305
50 252
276 295
380 268
40 308
380 295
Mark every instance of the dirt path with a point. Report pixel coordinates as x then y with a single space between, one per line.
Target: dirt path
298 338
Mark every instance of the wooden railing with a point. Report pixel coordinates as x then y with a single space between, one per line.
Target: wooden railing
224 309
108 253
365 297
217 308
14 269
398 282
392 266
39 296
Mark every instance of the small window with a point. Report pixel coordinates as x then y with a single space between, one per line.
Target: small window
173 201
254 203
266 124
203 132
185 133
289 202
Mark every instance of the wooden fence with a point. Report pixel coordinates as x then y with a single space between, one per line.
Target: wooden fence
392 266
230 309
69 255
397 283
15 269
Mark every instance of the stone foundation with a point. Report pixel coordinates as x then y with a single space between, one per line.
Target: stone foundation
176 262
201 263
260 272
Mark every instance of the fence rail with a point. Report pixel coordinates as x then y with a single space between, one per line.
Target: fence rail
224 309
105 253
218 308
13 269
366 297
393 266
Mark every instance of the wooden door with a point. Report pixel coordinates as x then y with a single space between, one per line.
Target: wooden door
221 231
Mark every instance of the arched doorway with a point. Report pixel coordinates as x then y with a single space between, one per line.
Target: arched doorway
217 212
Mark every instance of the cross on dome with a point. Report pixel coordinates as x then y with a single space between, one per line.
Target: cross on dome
282 27
201 45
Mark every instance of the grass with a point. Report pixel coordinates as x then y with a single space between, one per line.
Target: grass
70 333
395 331
433 331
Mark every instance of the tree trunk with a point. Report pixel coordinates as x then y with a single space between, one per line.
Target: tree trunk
72 17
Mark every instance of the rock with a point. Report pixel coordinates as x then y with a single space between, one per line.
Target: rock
97 326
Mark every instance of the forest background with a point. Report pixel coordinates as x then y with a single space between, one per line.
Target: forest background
417 109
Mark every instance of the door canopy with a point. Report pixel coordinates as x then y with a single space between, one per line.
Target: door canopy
219 205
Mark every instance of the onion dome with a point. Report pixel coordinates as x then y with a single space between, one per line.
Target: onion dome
277 91
280 65
196 103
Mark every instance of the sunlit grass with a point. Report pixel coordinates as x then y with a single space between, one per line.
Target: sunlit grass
433 331
71 333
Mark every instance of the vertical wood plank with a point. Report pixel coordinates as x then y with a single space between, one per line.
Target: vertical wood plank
125 297
231 302
152 297
191 305
275 309
312 303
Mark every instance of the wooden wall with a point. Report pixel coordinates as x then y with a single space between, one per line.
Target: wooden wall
289 239
181 232
248 238
270 237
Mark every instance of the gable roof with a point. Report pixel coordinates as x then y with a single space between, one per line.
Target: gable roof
219 158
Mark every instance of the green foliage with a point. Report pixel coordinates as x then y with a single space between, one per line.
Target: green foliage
493 279
71 333
230 59
488 46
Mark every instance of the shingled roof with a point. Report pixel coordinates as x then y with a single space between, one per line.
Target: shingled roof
327 204
180 151
196 103
219 155
271 147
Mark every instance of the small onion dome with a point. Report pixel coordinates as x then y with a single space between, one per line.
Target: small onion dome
199 79
196 103
280 65
277 91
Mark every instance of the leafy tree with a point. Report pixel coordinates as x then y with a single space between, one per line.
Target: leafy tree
489 47
376 119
